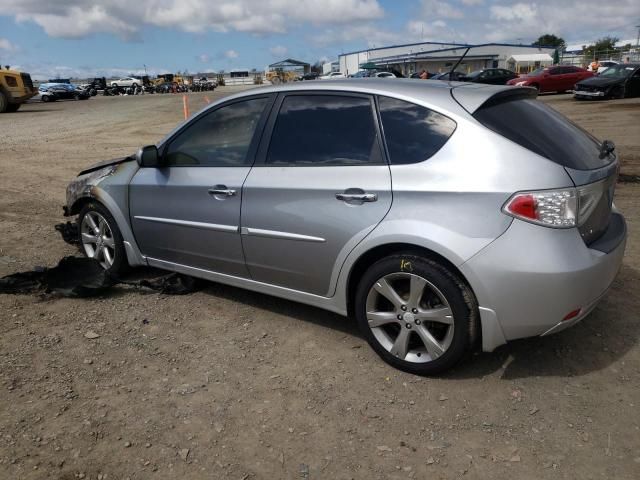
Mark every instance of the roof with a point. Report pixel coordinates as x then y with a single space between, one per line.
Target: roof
290 62
532 57
434 94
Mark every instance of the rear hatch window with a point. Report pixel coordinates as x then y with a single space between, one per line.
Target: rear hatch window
541 129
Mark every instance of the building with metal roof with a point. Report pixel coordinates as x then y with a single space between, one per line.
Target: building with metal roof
438 57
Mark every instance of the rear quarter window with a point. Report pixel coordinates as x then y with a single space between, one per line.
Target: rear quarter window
541 129
413 133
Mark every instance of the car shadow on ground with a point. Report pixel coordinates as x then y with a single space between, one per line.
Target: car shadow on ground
599 341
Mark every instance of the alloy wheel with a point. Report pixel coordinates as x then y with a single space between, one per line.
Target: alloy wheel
410 317
97 239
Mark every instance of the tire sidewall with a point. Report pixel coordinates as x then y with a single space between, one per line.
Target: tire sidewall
458 295
120 264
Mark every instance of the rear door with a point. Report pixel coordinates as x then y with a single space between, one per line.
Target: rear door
188 211
320 185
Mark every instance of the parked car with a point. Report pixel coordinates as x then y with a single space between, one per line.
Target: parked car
384 75
449 76
50 92
310 76
127 82
288 191
619 81
491 76
606 64
552 79
332 76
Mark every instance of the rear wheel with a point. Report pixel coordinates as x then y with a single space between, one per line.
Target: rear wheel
45 98
13 107
100 238
416 314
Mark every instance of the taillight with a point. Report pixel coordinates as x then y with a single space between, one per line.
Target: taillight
552 208
563 208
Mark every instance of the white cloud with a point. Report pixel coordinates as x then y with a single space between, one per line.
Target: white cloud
524 12
470 3
278 51
7 45
231 54
204 58
440 9
373 35
79 18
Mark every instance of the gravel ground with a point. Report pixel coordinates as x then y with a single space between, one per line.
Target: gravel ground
225 383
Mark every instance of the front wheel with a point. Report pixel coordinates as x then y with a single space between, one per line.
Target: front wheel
100 238
416 314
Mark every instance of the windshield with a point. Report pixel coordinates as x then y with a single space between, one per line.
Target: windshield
618 71
535 73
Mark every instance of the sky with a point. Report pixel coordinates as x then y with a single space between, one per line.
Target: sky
87 38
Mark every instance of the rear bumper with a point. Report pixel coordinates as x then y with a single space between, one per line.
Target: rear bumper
532 277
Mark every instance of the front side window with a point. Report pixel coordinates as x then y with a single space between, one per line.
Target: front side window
413 133
314 130
220 138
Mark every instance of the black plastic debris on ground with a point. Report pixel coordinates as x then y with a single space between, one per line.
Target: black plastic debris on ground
84 277
69 232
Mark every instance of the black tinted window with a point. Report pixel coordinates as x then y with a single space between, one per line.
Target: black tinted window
218 139
533 125
324 130
413 133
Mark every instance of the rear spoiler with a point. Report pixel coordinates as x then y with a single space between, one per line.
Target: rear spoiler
472 96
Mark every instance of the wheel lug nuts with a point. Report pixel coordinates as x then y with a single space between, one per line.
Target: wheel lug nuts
404 307
408 325
418 322
399 317
414 310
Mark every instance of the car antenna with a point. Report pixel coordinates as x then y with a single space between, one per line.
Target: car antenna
459 60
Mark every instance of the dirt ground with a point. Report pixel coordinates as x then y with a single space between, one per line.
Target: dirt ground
225 383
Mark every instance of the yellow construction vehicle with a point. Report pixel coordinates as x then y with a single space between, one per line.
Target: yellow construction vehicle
15 89
280 76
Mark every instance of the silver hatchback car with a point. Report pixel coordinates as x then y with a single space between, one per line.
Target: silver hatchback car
440 215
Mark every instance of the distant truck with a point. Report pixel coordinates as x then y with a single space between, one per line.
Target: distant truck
15 89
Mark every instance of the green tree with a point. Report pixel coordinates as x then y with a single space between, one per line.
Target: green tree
603 46
550 40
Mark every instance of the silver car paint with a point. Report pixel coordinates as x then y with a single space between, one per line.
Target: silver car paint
449 204
175 218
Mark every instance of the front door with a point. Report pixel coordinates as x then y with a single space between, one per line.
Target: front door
317 189
188 211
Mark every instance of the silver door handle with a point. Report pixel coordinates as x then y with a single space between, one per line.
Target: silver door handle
222 191
361 197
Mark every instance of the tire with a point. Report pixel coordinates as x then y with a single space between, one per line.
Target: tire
114 85
617 92
432 323
13 107
45 98
4 102
95 218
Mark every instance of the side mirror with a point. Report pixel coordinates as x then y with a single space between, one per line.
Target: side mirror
148 157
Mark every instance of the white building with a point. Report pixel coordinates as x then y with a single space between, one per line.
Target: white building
438 57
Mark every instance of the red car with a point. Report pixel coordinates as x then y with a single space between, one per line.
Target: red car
558 78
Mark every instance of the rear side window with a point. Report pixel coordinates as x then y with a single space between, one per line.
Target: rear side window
541 129
413 133
319 130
